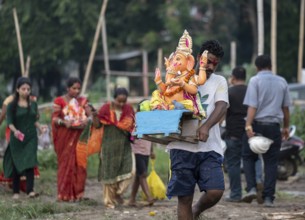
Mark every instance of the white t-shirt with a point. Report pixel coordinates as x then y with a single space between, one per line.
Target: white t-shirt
215 89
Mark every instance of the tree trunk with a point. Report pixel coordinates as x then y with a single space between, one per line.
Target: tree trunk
252 19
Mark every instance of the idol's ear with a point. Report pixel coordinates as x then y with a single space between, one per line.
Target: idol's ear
190 62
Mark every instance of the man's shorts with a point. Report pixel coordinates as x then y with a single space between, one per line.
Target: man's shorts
189 169
141 164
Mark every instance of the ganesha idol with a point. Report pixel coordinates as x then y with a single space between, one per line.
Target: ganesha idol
74 112
179 91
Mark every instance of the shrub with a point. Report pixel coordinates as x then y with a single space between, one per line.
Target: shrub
47 159
297 118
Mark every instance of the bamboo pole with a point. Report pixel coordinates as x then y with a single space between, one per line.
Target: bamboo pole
260 22
233 54
27 66
106 58
19 41
160 55
273 35
301 42
145 73
94 46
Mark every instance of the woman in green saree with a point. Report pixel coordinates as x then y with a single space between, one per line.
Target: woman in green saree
116 164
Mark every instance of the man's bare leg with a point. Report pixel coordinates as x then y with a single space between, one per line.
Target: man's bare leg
206 201
184 208
134 190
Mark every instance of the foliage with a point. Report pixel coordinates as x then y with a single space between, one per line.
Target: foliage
162 162
53 32
45 116
56 32
130 22
45 42
297 118
47 159
287 41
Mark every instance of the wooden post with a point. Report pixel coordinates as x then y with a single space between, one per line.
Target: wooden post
145 73
27 67
160 58
233 54
301 42
106 58
19 41
260 22
273 34
94 46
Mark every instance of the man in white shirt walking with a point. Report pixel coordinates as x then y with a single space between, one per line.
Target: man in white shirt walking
201 163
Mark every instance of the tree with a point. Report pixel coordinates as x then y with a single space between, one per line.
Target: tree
53 32
57 31
287 37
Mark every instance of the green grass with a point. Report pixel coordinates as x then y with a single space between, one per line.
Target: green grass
37 208
45 206
161 162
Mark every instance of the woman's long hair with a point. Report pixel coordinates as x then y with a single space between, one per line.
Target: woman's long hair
20 81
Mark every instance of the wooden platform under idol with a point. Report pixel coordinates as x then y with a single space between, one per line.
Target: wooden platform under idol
163 127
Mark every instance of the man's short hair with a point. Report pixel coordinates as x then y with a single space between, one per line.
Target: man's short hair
239 73
263 62
214 47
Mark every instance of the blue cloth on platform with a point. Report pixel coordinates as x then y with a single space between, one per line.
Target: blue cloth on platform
158 122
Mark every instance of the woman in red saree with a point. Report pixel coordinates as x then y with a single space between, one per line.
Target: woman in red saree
65 138
116 164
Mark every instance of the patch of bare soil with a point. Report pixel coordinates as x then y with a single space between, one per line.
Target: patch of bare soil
290 201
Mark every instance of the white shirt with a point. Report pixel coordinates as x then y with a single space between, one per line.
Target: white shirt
215 89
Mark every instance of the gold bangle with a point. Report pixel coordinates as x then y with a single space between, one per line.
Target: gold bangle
202 68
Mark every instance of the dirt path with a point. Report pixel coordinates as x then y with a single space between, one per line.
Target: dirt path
290 199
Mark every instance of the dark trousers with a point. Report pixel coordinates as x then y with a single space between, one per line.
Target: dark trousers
233 161
29 174
270 159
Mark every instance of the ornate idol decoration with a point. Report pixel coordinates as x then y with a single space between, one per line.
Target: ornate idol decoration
180 87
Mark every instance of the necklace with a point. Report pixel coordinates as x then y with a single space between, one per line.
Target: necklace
187 75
